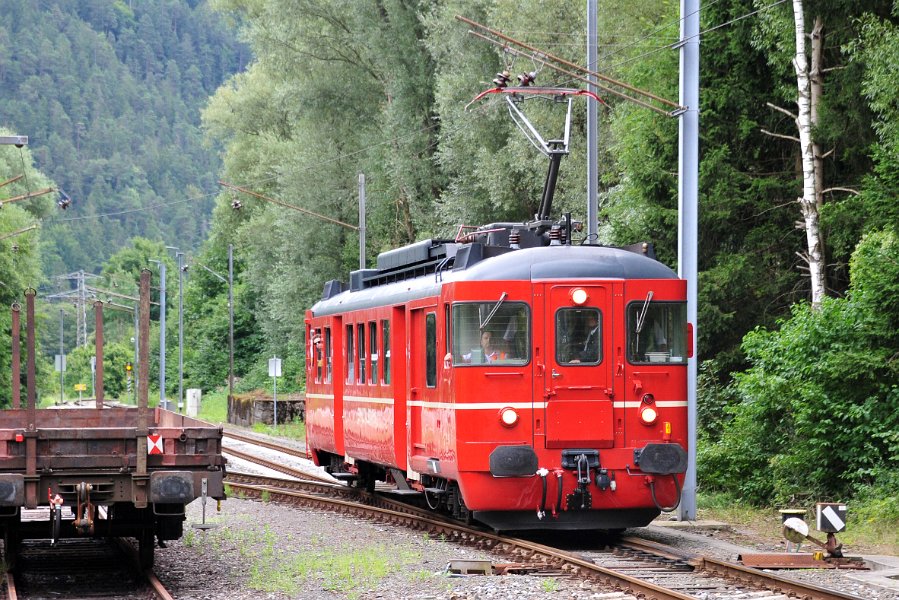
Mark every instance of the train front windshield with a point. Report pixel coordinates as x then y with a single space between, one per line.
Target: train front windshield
657 332
491 332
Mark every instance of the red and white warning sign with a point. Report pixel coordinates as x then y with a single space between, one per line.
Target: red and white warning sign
154 444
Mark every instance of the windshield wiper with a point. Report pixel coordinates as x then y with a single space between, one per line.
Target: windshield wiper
493 310
641 318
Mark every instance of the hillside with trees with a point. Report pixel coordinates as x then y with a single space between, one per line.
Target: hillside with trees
109 94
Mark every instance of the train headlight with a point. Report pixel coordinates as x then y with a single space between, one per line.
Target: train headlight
648 412
648 415
508 417
578 296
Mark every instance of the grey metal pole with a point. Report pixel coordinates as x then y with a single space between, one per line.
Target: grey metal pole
688 230
230 321
592 128
275 399
162 310
361 220
180 256
61 358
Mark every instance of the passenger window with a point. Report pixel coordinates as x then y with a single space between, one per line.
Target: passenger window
385 335
328 361
579 336
373 351
360 342
350 356
490 332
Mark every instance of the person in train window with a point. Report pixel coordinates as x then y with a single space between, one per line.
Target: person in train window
488 352
589 351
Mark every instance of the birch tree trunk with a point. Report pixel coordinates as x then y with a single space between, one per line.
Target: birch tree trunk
807 201
816 76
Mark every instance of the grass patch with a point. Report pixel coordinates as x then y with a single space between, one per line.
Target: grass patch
214 407
348 571
293 430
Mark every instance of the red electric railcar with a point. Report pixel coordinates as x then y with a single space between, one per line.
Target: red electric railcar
573 414
507 375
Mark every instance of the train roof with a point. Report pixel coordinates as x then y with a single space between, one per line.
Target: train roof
452 262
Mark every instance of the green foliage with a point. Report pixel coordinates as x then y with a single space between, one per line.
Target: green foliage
78 370
819 414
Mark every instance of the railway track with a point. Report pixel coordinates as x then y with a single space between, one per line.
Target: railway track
691 575
103 569
257 441
630 566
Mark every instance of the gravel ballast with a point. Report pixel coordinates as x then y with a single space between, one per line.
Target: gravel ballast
265 550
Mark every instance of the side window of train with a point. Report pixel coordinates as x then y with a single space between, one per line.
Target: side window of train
385 344
328 360
350 356
360 344
317 350
431 350
491 332
373 351
579 336
657 332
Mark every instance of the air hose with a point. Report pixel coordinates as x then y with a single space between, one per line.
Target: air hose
652 491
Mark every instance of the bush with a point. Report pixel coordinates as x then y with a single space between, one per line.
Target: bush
819 409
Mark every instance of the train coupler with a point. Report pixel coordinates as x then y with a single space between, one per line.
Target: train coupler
84 518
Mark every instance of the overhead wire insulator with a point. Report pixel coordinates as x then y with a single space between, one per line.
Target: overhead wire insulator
525 79
64 200
236 205
502 79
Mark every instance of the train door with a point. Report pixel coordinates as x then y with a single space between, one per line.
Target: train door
422 385
577 383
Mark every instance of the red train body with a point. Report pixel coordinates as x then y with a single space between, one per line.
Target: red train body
573 415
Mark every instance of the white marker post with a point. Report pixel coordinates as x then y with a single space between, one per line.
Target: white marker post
274 371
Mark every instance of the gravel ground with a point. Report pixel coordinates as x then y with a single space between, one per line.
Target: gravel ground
263 550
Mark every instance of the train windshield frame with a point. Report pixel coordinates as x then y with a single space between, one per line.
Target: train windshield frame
657 332
491 332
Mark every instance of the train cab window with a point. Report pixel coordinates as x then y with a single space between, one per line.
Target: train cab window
385 344
579 336
373 351
431 349
350 356
657 332
490 332
328 359
360 344
317 350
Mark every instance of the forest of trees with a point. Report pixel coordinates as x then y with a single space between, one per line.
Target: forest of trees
795 398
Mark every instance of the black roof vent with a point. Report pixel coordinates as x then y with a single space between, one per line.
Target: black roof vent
332 288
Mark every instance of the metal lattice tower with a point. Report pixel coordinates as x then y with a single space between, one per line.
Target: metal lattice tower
80 297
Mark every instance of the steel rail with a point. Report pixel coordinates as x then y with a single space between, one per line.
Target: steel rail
266 444
784 585
11 593
275 466
154 582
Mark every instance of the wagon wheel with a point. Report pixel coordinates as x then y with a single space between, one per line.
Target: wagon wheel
146 546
